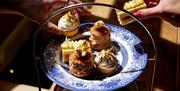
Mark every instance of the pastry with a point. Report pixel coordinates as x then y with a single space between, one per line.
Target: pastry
106 62
69 24
81 61
131 6
69 47
100 36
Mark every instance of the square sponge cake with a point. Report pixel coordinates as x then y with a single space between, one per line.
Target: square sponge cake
131 6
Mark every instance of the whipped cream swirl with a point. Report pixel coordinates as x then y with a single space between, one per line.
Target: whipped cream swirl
68 22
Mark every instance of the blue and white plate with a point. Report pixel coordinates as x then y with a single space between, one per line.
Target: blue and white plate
131 56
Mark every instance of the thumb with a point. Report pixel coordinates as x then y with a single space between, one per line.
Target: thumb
148 12
54 29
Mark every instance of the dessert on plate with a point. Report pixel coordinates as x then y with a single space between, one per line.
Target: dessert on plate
81 61
80 56
131 6
69 24
66 49
69 46
106 62
100 36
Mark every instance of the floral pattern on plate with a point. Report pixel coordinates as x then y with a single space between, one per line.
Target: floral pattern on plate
131 56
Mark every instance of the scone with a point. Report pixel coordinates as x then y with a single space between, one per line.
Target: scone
69 24
106 62
81 61
100 36
131 6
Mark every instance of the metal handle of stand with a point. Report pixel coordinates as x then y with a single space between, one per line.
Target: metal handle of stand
97 4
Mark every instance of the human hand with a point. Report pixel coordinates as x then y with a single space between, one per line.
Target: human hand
39 10
165 9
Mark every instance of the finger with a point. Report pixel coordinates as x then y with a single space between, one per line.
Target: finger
75 13
52 28
150 1
148 12
152 4
55 5
82 10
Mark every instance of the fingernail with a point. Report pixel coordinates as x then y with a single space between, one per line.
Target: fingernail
138 14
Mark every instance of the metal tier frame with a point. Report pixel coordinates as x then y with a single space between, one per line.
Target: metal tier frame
61 10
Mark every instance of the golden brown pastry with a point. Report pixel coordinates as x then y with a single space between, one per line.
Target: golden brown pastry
100 36
131 6
81 61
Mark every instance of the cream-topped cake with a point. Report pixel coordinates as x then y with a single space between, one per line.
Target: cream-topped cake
106 62
69 24
131 6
